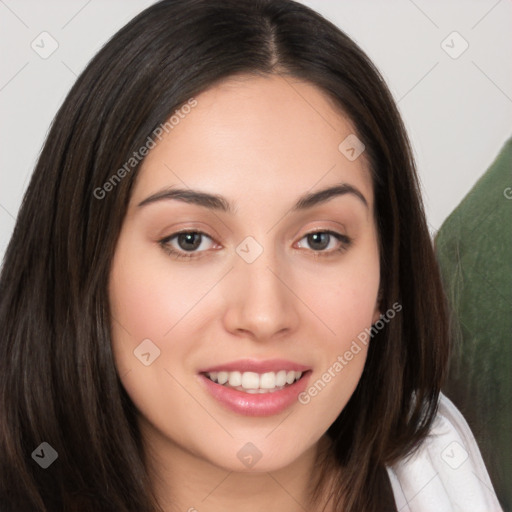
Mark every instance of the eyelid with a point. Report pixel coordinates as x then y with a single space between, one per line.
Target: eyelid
186 232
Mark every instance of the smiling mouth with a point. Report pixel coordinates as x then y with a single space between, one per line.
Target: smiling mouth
255 383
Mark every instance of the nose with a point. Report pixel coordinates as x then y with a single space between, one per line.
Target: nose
261 301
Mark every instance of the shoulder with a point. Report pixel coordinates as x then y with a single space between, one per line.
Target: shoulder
446 473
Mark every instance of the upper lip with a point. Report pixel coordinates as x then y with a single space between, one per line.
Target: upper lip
253 365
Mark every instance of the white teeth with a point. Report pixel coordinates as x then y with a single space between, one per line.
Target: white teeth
235 379
252 382
281 378
268 380
222 377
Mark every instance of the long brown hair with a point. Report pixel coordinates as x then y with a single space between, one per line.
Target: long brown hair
58 382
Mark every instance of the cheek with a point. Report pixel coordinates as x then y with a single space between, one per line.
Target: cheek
346 299
341 364
148 296
346 303
150 303
152 300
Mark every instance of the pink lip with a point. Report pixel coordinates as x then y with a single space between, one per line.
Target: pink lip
265 404
252 365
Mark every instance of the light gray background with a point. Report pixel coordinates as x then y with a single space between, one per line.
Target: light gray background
457 111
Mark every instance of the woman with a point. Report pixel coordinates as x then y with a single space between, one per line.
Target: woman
221 292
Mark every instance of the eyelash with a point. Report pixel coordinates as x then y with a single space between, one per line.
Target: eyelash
344 240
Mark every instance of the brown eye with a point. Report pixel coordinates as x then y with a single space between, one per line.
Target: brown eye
186 244
319 241
325 242
189 241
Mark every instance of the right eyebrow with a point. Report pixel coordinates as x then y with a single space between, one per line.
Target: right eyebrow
207 200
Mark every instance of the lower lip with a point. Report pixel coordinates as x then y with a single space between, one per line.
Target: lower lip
257 404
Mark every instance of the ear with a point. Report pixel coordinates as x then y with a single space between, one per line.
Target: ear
377 312
376 315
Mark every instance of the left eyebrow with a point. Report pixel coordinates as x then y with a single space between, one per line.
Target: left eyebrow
220 203
322 196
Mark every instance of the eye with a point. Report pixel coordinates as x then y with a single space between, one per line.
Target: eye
320 241
186 244
189 244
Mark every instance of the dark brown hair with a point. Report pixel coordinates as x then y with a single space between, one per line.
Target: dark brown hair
58 381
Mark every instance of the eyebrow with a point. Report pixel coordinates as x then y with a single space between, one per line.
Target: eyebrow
220 203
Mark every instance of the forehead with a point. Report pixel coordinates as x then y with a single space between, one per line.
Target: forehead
256 135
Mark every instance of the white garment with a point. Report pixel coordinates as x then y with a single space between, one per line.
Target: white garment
447 473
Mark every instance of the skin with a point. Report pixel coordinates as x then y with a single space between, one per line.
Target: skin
261 142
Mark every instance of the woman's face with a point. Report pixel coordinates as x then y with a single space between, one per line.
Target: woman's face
272 281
